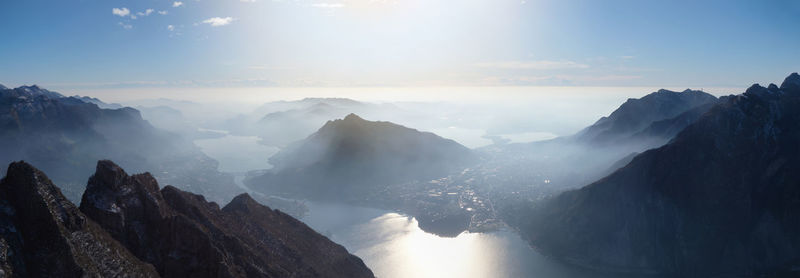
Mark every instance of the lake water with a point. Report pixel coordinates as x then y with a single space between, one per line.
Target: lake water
237 153
392 244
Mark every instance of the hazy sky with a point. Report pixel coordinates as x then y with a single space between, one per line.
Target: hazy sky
89 44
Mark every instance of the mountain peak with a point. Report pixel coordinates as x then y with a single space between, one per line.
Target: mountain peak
51 237
791 82
383 152
773 87
754 87
756 90
33 91
21 173
24 184
109 173
243 202
636 114
352 117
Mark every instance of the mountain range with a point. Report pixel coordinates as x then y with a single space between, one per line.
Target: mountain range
569 162
649 115
65 136
719 200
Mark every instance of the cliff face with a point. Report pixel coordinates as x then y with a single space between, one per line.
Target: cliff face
42 234
183 235
721 199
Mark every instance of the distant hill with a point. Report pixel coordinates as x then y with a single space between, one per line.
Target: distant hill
281 123
350 157
65 136
719 200
297 123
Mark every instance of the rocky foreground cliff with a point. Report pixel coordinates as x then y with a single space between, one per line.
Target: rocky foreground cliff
42 234
129 227
722 199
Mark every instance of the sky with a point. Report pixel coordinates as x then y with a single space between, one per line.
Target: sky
106 44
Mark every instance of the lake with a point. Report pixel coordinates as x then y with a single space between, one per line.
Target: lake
237 153
392 244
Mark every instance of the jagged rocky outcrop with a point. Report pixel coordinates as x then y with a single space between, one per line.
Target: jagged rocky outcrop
183 235
42 234
65 136
350 158
722 199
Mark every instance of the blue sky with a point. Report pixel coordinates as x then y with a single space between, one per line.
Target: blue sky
232 43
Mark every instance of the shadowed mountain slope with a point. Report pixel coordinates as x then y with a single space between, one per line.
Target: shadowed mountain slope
721 199
636 115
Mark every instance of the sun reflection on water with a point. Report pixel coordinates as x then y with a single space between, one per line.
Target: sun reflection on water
393 245
406 251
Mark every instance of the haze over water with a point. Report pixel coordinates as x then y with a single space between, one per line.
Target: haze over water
391 243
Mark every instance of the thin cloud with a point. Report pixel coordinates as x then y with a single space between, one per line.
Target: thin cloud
171 27
534 65
328 5
177 4
123 12
126 26
146 12
555 80
218 21
162 12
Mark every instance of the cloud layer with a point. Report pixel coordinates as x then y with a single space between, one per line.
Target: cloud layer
534 65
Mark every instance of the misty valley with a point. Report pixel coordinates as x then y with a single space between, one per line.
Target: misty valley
668 184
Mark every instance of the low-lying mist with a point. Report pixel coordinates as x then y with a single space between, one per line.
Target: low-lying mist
474 117
527 135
